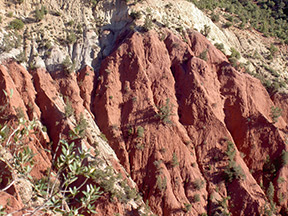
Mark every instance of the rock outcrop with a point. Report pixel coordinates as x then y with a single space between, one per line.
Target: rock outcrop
184 128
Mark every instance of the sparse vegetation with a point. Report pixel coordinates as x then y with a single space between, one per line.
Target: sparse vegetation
165 112
161 183
148 23
206 30
187 207
232 171
16 24
198 184
196 198
140 131
69 110
275 113
268 17
40 13
174 161
203 55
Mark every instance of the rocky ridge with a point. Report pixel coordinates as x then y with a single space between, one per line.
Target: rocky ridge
196 136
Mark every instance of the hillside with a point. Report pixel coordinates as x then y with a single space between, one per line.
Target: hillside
139 108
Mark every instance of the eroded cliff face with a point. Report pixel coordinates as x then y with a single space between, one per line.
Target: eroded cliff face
210 103
189 132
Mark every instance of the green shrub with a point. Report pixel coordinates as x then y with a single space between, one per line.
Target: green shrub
215 17
71 38
187 207
16 24
234 53
206 30
69 110
140 131
228 25
203 55
219 46
196 198
9 14
198 184
273 49
147 23
275 113
161 183
270 192
68 65
165 112
40 13
174 161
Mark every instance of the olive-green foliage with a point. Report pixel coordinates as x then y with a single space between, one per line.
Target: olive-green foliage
196 198
68 65
40 13
232 170
270 192
206 30
174 161
69 110
273 49
234 53
275 113
140 131
187 207
68 168
203 55
198 184
284 158
165 112
148 23
161 183
80 130
71 38
219 46
16 24
269 17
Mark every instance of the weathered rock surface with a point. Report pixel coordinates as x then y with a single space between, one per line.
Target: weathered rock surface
194 134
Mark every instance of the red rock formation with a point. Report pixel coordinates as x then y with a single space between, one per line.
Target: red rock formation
212 102
173 119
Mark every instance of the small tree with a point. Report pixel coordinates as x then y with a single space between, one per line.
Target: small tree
164 112
16 24
275 113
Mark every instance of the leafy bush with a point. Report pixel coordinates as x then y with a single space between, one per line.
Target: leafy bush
275 113
39 14
71 38
68 168
232 171
16 24
147 23
234 53
161 183
165 112
206 30
187 207
203 55
69 110
219 46
174 161
140 131
196 198
198 184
